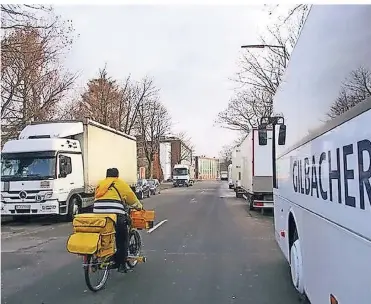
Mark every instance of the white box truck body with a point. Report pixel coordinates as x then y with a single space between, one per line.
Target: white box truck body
230 179
256 181
236 168
54 167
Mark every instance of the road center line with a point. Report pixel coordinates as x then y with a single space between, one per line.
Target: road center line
156 226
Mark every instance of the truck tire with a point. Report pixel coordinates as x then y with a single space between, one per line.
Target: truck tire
73 209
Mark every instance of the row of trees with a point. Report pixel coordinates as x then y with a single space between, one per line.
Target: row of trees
36 87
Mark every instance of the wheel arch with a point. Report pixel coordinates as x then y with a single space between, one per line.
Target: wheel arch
292 227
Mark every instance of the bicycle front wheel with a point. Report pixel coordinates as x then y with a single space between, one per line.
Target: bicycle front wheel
135 247
96 266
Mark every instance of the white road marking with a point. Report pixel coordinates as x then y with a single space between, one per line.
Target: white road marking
156 226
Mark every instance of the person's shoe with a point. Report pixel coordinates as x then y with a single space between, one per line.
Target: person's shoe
122 268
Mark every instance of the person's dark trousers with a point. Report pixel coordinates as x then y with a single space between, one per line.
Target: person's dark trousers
122 240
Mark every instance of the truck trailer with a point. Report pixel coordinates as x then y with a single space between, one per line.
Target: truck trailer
53 167
256 180
236 171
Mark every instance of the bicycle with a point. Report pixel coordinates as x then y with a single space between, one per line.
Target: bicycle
102 257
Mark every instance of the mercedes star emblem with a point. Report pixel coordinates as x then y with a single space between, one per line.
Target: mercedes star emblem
23 194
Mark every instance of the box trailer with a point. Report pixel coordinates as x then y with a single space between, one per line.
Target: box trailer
54 167
236 170
256 181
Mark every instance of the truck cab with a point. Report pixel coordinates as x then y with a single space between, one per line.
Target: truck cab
38 175
182 175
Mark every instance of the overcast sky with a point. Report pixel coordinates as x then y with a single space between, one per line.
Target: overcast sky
190 51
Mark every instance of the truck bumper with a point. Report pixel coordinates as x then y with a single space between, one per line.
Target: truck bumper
30 208
180 182
260 204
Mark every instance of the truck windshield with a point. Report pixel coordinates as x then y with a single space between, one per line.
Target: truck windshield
180 171
27 168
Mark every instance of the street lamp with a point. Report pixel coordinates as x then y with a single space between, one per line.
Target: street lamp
262 46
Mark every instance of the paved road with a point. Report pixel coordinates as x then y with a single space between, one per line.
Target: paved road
211 250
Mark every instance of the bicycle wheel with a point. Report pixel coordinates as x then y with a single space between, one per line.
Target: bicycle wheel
135 247
94 265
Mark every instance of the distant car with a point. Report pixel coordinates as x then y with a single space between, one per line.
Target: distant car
142 189
154 186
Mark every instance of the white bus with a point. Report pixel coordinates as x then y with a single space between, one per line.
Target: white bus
322 200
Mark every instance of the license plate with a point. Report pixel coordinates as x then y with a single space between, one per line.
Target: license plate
22 207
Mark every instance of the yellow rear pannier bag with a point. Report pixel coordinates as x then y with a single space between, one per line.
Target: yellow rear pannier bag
93 233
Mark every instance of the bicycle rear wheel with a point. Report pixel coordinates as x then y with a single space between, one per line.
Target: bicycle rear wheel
135 247
95 265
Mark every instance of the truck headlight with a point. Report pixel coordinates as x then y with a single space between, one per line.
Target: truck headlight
48 195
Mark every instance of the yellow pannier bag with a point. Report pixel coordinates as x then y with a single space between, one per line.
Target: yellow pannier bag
93 233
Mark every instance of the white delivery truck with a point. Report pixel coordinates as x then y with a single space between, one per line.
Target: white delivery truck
54 167
256 181
230 180
183 175
236 170
223 175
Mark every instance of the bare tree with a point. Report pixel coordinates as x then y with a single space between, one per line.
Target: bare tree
261 73
100 101
154 122
33 80
21 16
226 154
186 147
355 89
133 95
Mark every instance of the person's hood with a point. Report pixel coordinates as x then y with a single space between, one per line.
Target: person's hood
103 186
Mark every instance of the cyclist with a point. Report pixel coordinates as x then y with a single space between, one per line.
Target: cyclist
110 196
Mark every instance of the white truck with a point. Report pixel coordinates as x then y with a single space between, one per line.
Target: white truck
54 167
224 175
230 180
256 181
183 175
236 170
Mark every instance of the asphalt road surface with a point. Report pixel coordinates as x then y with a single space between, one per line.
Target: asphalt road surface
210 250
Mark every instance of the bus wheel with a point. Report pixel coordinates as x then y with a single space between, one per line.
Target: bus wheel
296 265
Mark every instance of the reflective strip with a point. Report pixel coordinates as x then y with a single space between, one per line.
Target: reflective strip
107 210
108 204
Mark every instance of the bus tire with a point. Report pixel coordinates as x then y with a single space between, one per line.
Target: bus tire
296 264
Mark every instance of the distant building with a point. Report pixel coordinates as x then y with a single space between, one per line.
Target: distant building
206 168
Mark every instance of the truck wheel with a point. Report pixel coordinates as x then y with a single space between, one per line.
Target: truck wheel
251 205
149 194
296 264
73 209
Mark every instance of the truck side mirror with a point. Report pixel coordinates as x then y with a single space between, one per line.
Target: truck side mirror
282 135
262 131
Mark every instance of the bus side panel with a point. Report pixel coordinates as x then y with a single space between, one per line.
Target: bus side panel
333 223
